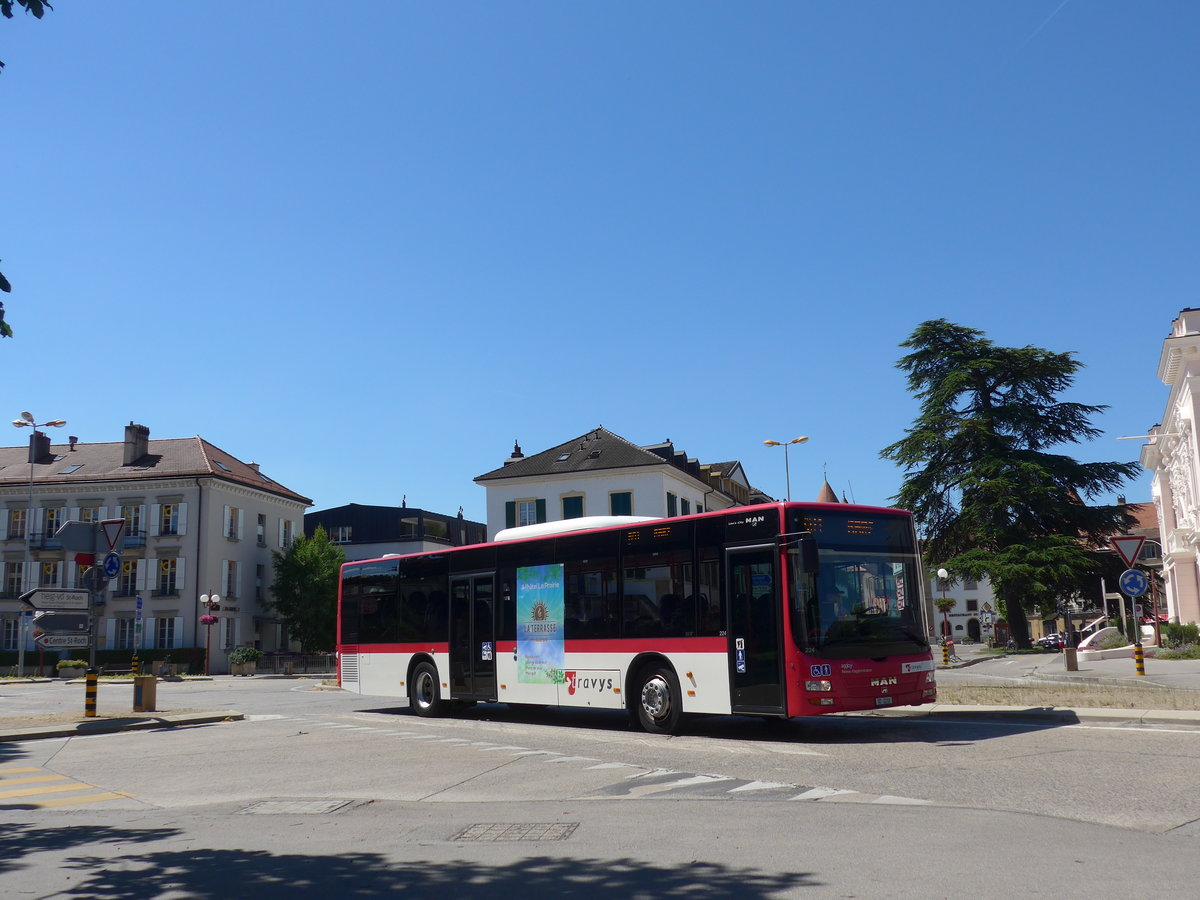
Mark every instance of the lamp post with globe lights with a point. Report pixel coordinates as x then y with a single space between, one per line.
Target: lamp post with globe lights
28 420
211 603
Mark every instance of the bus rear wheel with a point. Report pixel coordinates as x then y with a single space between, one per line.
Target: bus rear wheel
425 697
658 703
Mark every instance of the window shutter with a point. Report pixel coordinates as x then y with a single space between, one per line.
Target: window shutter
155 513
181 525
150 576
73 513
225 526
150 632
177 641
510 514
241 523
179 579
69 574
281 532
139 574
541 510
237 578
101 513
110 633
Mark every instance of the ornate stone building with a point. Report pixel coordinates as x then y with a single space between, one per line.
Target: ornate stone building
1171 455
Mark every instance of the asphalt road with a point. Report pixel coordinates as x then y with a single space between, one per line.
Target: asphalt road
325 794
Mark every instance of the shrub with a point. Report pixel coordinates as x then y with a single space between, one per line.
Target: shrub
1186 651
1177 635
239 655
72 664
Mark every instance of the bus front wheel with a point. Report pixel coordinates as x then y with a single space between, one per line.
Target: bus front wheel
426 696
659 706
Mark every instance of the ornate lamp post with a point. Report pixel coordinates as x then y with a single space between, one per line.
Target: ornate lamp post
944 605
786 466
28 420
212 603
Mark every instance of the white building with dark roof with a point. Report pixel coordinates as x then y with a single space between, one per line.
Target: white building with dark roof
601 474
197 521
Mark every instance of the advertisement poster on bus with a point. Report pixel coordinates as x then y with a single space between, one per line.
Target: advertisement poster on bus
540 624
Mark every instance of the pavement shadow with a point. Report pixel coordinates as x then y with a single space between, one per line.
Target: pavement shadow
19 839
221 874
920 727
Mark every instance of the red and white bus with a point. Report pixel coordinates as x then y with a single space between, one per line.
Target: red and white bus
783 609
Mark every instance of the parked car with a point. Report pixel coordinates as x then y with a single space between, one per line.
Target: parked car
1052 642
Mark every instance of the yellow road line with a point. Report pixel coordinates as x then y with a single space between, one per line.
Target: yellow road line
5 782
47 789
5 770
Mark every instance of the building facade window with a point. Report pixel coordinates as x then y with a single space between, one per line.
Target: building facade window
572 507
620 503
672 504
16 524
14 579
11 627
168 571
526 512
168 519
972 606
286 528
132 514
233 522
53 520
970 585
50 574
340 534
685 507
127 580
123 639
164 636
262 530
89 514
260 572
231 578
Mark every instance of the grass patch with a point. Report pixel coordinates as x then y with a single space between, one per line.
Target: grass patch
1082 696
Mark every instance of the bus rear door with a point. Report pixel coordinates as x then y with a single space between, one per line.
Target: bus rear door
755 657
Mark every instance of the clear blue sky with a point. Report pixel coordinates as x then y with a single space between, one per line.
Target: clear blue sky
369 244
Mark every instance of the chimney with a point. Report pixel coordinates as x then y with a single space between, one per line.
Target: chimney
39 447
254 466
137 443
516 454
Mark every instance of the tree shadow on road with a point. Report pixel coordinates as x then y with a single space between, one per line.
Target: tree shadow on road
221 874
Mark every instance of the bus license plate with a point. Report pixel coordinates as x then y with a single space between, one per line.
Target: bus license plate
883 701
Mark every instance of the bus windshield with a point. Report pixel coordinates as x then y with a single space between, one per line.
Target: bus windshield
865 598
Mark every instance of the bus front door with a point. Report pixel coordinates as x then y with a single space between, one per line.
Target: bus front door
755 656
472 637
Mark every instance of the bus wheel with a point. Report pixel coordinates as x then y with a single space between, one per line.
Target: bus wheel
426 695
659 709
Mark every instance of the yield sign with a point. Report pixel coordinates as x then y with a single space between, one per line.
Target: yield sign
111 529
1128 546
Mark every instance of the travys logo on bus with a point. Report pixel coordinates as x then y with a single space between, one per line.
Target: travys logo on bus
582 681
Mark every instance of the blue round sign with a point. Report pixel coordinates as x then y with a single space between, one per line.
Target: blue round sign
1133 583
112 565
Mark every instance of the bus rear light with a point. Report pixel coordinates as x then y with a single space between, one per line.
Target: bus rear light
822 686
691 693
929 679
821 701
929 692
504 687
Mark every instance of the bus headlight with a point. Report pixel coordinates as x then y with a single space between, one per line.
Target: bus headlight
823 686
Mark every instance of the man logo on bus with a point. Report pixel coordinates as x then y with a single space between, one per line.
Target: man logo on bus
587 682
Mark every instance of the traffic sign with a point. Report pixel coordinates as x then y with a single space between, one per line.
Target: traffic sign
77 537
56 622
51 598
1128 546
94 579
1133 582
111 529
61 640
112 564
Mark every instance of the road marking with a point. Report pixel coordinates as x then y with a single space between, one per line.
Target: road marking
761 786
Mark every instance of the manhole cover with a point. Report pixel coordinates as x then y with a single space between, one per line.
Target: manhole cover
295 807
517 831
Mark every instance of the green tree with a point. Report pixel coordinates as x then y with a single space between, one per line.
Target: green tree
305 590
38 9
990 498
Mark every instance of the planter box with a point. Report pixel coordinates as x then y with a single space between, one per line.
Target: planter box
243 668
71 672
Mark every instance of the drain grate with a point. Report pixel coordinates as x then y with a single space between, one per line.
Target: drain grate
295 807
517 831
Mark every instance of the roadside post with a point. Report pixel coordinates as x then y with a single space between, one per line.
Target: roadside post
1133 584
89 701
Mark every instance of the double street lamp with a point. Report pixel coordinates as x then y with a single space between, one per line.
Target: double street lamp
786 465
27 420
211 603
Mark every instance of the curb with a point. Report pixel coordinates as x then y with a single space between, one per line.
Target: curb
1057 715
108 726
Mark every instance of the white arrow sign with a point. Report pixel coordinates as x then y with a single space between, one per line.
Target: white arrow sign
61 640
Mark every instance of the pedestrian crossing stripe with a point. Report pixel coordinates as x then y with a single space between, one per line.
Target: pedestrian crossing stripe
37 787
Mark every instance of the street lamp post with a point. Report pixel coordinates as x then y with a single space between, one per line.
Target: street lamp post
212 603
786 465
28 420
945 604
